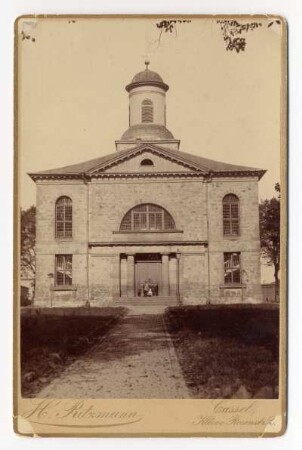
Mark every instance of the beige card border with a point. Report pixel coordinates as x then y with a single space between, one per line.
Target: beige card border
274 408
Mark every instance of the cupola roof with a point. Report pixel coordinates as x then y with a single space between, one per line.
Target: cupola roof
147 132
147 78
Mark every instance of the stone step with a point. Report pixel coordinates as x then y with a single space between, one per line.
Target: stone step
146 304
159 297
147 301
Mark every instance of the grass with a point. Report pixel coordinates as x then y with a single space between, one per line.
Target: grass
224 348
51 341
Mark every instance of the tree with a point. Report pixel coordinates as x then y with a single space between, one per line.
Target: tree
269 214
233 32
28 241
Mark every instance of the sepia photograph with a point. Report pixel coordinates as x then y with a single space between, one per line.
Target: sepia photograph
151 183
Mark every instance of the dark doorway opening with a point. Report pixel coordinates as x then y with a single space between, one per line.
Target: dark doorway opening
148 274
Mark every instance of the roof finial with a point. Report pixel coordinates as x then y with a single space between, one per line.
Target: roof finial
147 64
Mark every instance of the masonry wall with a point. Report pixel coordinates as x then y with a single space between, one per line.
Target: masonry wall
98 209
183 199
47 246
247 243
193 277
103 283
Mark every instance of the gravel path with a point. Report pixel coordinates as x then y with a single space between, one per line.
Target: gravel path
135 360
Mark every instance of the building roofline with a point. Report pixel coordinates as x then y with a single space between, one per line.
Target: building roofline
97 166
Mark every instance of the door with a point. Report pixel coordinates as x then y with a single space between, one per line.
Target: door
148 268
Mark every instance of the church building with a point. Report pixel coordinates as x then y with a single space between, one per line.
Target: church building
148 220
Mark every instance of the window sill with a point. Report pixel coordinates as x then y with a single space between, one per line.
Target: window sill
231 238
64 288
233 286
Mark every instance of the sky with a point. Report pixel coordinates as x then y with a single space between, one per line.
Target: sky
73 105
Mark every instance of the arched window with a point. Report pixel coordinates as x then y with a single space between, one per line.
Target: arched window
147 162
64 217
147 217
230 215
147 111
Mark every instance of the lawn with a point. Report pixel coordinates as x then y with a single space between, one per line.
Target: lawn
52 339
227 351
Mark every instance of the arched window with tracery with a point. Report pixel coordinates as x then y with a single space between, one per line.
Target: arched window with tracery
64 217
147 217
147 111
230 215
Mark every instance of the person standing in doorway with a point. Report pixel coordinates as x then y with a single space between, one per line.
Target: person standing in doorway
146 288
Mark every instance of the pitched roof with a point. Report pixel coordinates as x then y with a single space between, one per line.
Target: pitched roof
197 163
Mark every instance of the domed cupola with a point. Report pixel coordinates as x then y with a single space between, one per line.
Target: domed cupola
147 112
147 78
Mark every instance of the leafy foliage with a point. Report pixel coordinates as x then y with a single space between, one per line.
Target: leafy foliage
232 33
170 25
269 211
28 241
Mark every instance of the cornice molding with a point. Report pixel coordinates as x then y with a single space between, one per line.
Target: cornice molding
146 243
242 173
148 175
57 176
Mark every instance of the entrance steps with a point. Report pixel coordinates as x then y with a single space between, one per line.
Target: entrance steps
147 301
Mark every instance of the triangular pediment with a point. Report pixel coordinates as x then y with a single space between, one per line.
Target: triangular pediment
146 158
163 161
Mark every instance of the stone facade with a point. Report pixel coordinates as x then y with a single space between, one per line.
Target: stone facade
99 273
187 258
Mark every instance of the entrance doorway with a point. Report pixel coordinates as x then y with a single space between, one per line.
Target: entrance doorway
148 274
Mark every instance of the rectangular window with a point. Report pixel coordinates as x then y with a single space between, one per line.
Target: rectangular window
155 221
139 221
63 270
232 271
